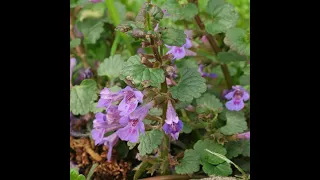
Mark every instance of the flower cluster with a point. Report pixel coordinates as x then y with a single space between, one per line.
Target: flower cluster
173 125
237 95
181 52
125 118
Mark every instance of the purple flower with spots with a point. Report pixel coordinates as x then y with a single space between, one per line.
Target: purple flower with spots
171 114
107 97
181 52
110 141
130 101
173 129
173 124
101 126
113 114
245 135
133 123
204 74
73 63
237 96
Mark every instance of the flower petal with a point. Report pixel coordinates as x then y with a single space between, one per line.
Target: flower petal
190 53
139 96
188 43
235 105
229 95
245 96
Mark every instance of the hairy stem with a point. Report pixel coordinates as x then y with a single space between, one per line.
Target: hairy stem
215 48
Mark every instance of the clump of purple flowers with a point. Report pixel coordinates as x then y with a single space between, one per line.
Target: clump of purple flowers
181 52
173 125
124 119
237 95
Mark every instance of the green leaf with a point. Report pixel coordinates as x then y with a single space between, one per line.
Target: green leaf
236 123
173 37
191 85
82 97
188 62
74 175
94 10
122 149
231 56
111 66
94 108
131 145
149 141
209 101
115 89
246 148
91 29
224 17
235 148
189 11
236 39
75 42
140 74
189 163
223 169
200 147
213 4
91 171
186 128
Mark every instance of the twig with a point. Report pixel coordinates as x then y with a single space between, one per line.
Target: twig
215 47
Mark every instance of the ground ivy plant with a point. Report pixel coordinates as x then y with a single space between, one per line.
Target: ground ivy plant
171 82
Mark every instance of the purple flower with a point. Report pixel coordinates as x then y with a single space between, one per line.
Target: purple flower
107 97
181 52
73 63
173 124
173 129
113 114
245 135
204 74
133 123
130 101
237 96
110 141
101 126
171 114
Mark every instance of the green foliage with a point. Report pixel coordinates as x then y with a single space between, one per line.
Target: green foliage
91 29
111 66
139 74
236 123
149 141
83 96
191 85
236 40
209 102
235 148
189 163
74 175
231 56
224 17
173 37
200 147
75 42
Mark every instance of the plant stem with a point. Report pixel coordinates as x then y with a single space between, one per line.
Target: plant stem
80 51
215 48
79 48
115 44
